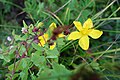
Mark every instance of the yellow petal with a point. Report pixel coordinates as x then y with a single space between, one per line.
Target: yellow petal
88 23
52 46
46 36
42 42
61 35
84 42
52 26
40 37
43 39
74 35
78 25
95 34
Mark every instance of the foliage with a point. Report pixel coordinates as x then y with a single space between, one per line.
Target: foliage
26 53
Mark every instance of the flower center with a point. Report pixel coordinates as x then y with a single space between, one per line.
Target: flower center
85 31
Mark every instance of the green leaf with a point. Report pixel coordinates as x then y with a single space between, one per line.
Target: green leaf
52 53
18 37
27 4
25 25
8 75
39 53
85 15
60 42
60 69
58 72
86 3
30 29
73 4
51 1
33 77
12 50
35 7
22 50
7 58
1 56
47 74
39 61
39 24
24 63
25 37
24 74
37 47
95 65
13 32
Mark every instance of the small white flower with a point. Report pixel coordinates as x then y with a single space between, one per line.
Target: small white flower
9 38
24 30
11 47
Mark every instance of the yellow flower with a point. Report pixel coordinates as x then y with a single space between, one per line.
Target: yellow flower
52 46
43 39
83 33
52 27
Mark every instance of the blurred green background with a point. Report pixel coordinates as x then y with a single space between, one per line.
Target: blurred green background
13 12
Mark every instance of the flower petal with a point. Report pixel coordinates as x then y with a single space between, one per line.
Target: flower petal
52 46
78 25
52 26
42 42
40 37
88 23
84 42
43 39
74 35
46 36
95 34
61 35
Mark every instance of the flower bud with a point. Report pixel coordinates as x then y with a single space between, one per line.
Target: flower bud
53 37
66 32
35 29
36 39
24 30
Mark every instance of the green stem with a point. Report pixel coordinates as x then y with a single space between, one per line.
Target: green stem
99 13
103 52
104 19
108 17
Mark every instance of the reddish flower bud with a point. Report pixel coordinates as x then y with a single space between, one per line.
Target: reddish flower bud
36 40
23 55
66 32
53 37
35 29
51 43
